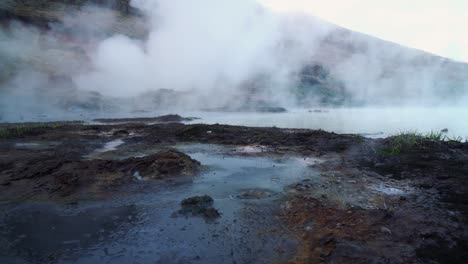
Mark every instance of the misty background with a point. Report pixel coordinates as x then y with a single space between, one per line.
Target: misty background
100 58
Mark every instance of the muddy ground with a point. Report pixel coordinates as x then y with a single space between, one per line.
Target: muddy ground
367 203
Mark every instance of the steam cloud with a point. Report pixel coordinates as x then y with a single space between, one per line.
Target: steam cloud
211 47
211 54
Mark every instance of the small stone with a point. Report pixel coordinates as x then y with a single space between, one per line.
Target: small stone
197 200
210 213
199 206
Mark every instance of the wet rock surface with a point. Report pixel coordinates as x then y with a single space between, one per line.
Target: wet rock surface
359 203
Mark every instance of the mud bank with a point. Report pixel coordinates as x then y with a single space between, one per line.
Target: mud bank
329 198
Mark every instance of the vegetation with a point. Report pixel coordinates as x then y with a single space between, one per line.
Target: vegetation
456 139
27 129
406 141
436 136
402 141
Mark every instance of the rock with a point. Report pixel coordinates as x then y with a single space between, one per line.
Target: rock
199 206
210 213
316 111
62 176
303 186
121 133
170 118
270 109
204 200
161 165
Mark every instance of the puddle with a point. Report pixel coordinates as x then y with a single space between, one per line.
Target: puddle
141 228
36 145
108 147
27 145
233 173
309 161
252 149
111 146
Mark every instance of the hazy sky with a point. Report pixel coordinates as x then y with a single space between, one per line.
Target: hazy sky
437 26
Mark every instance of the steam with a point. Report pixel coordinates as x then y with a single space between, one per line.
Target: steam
379 72
209 54
213 48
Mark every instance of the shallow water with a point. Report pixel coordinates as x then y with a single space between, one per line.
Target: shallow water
110 146
142 228
372 122
369 121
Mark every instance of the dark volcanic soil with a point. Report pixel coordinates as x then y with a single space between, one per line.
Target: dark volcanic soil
369 205
46 177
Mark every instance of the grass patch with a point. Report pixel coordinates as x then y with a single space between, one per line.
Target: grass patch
407 141
29 129
403 141
436 136
456 139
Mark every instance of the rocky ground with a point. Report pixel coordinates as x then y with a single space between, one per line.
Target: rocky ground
374 202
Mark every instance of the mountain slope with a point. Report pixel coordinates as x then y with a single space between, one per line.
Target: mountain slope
347 67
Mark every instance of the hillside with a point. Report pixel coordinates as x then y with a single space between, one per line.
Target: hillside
348 67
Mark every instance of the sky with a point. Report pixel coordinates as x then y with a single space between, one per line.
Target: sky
436 26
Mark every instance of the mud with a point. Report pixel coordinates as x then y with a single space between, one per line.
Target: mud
330 198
